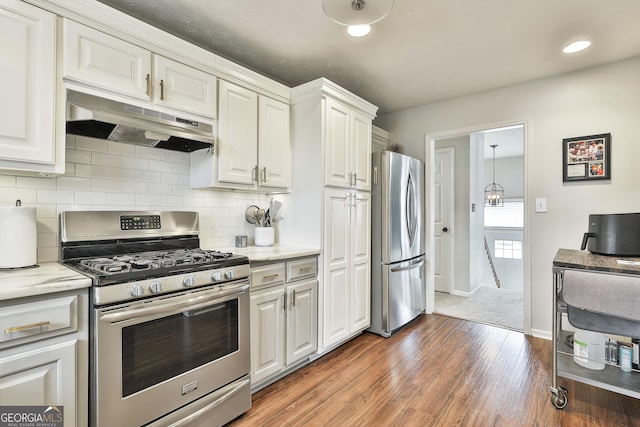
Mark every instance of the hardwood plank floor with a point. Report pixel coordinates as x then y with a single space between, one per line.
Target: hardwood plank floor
438 371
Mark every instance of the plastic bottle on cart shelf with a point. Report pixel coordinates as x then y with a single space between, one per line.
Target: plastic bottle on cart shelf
588 349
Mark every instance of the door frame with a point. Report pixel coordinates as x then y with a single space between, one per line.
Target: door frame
430 139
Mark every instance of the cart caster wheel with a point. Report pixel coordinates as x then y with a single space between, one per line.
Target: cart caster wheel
559 398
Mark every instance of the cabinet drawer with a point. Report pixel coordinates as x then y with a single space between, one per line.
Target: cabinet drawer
31 321
268 275
303 268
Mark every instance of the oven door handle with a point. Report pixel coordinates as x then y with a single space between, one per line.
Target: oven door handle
191 303
210 407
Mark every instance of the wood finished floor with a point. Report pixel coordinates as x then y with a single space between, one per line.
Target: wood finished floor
438 371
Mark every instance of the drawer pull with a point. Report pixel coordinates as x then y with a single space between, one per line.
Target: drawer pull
304 270
23 328
271 277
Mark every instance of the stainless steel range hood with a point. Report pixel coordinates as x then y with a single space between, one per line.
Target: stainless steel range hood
101 118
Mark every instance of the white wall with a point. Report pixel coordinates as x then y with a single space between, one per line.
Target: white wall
509 174
104 175
598 100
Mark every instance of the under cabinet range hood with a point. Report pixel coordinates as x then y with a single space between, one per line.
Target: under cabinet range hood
102 118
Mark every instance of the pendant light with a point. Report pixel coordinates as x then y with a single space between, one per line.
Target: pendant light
358 15
494 193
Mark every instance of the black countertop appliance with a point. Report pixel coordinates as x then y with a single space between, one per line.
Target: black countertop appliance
613 234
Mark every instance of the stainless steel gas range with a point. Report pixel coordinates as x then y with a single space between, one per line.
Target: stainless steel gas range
169 322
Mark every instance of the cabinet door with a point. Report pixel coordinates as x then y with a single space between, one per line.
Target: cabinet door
360 253
27 80
182 87
336 273
237 142
361 151
274 148
106 62
45 376
337 147
267 333
302 320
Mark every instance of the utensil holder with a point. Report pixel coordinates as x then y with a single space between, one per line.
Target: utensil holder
265 236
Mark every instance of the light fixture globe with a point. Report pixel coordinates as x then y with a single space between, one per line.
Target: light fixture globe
356 12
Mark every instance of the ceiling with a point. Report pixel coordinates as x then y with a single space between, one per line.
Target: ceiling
424 51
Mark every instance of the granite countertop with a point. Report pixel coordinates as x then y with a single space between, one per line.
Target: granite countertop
48 277
587 261
271 253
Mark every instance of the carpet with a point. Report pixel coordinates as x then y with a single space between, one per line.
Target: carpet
493 306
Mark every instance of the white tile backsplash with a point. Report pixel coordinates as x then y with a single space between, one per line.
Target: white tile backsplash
106 175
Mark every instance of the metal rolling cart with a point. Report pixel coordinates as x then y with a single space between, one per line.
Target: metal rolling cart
596 293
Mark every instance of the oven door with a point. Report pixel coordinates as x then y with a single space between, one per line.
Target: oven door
154 356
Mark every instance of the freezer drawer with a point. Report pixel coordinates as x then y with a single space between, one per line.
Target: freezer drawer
403 293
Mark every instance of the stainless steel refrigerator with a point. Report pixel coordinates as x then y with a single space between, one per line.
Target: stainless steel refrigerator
397 241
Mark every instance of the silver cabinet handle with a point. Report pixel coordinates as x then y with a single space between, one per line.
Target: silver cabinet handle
264 175
254 174
161 90
355 179
293 298
284 305
23 328
148 84
270 277
350 179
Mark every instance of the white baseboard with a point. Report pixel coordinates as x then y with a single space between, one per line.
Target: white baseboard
539 333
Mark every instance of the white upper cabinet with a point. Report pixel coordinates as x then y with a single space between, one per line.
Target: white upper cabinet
274 148
106 62
253 149
28 82
348 147
185 88
237 143
109 63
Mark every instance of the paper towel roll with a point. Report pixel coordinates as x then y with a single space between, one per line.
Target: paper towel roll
18 237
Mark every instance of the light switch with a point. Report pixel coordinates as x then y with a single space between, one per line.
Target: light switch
541 204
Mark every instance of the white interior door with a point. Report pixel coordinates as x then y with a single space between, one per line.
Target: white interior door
443 219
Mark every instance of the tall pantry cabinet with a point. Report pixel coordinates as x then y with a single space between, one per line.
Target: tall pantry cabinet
330 202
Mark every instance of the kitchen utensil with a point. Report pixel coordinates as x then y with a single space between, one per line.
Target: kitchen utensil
274 207
259 216
250 214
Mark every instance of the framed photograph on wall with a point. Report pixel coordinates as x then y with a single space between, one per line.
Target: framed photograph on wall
586 158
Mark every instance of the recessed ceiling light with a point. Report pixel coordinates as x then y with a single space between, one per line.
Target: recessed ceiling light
359 30
577 46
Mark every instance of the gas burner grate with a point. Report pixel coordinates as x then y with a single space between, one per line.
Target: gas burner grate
154 260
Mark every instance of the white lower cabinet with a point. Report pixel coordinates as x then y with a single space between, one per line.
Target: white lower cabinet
44 354
347 289
44 376
284 321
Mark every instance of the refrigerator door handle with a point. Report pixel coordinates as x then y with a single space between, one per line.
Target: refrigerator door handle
411 216
409 267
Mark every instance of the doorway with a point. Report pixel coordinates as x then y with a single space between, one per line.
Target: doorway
487 267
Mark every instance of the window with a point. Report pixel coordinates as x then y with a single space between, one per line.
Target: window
511 249
509 215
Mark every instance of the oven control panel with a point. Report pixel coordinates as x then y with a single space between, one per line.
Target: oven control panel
140 222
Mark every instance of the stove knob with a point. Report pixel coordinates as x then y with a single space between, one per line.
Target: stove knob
189 281
216 276
155 287
228 274
136 290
